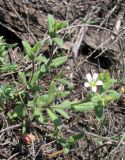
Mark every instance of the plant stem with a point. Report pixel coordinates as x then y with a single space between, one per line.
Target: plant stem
51 54
33 69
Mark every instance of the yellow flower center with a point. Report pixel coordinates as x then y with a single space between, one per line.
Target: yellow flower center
93 84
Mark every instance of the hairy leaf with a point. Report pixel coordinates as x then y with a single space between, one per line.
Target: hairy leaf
51 22
62 112
58 61
38 115
88 106
58 41
55 119
22 78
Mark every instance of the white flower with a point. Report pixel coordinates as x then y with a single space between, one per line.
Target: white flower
93 82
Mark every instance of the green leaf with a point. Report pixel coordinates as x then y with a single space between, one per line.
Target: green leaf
24 128
115 94
36 47
34 87
105 76
22 78
41 59
43 68
66 82
110 96
30 104
51 22
61 141
36 77
51 92
38 115
99 111
64 105
64 94
96 99
77 136
88 106
109 84
61 112
38 101
60 25
67 148
28 51
8 67
43 99
71 140
2 38
18 112
58 41
54 119
58 61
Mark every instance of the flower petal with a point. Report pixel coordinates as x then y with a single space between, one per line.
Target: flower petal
99 83
89 77
95 76
94 88
86 84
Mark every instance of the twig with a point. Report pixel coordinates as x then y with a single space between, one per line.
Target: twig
78 41
80 25
101 137
33 152
86 25
109 139
27 28
108 15
99 47
3 155
42 148
82 32
99 147
120 142
117 26
13 156
10 128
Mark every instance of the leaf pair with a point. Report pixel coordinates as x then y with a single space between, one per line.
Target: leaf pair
58 61
53 27
32 52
